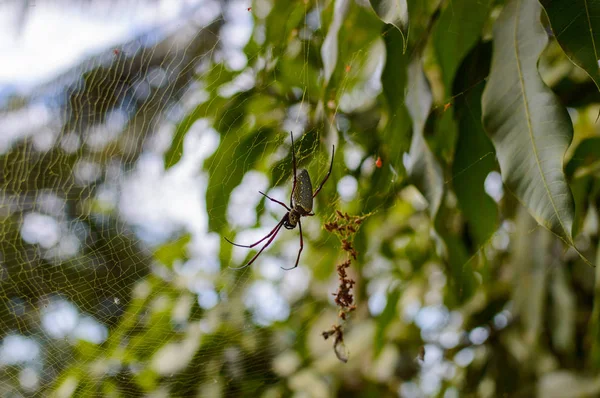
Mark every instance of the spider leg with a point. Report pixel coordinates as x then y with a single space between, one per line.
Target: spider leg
279 224
274 200
328 173
278 227
294 169
299 251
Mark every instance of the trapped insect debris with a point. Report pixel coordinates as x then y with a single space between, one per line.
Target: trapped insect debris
345 227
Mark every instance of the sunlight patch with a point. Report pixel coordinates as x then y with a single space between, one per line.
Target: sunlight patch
17 349
267 305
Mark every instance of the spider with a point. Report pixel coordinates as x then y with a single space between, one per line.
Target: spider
301 205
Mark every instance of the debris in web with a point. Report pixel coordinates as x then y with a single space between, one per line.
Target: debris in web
343 297
345 227
338 343
421 356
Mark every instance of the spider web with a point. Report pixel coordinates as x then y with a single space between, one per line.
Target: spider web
112 281
86 201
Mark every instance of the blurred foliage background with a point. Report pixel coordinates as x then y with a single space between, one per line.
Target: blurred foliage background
466 143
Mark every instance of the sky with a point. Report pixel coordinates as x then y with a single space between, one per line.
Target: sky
54 37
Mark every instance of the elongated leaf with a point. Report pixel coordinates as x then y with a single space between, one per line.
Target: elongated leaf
329 49
461 280
475 157
284 17
237 154
585 159
170 252
339 50
394 12
576 26
212 108
395 137
581 170
424 170
393 81
456 32
529 128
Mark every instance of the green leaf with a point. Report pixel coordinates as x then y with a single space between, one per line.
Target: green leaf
456 32
393 141
396 134
576 26
581 188
424 170
585 159
208 109
238 153
359 33
289 69
529 128
474 158
461 280
329 49
172 251
394 12
285 16
423 17
581 170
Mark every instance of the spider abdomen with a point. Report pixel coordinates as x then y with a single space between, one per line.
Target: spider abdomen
303 194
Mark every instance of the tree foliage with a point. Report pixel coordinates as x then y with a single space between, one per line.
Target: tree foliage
466 145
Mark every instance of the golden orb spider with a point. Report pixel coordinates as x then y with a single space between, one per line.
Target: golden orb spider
301 204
